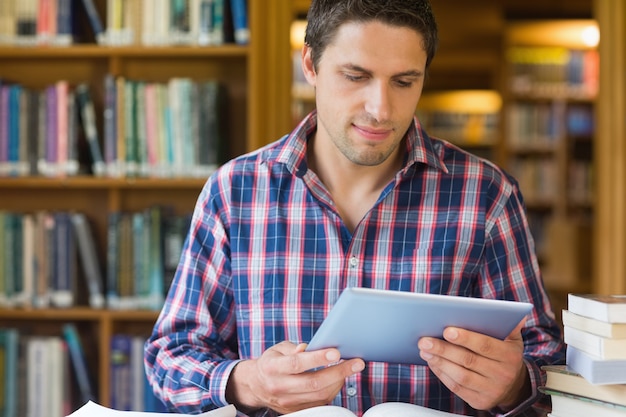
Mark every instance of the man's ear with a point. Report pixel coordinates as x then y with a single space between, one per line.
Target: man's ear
307 65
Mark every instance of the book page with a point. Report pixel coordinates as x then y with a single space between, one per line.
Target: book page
92 409
390 409
322 411
397 409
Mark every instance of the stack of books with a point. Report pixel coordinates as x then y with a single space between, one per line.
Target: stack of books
593 381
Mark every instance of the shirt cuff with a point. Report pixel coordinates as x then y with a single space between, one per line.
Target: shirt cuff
536 380
218 382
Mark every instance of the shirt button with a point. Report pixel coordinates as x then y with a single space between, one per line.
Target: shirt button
354 261
351 391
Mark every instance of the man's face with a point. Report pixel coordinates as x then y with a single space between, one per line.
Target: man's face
368 83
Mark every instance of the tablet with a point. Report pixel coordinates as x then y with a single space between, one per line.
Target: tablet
384 325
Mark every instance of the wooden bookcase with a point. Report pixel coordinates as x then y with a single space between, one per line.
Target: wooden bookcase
253 88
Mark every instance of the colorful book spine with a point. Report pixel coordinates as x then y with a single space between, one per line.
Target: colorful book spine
239 11
120 372
94 20
88 117
89 259
79 363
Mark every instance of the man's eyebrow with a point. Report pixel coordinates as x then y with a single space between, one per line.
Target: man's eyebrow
409 73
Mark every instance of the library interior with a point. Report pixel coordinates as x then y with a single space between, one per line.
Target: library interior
95 190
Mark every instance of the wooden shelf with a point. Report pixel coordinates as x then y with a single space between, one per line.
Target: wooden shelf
97 51
78 314
89 182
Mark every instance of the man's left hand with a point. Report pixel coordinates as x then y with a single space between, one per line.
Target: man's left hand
484 371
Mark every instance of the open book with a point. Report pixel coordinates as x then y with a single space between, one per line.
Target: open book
91 409
394 409
389 409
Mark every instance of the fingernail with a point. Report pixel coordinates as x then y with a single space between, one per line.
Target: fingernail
358 367
333 356
426 344
451 334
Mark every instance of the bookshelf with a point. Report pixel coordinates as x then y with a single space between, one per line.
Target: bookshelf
252 97
550 86
468 118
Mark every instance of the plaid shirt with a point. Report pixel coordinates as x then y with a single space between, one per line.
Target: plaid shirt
267 256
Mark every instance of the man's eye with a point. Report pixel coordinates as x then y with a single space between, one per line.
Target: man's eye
355 78
404 84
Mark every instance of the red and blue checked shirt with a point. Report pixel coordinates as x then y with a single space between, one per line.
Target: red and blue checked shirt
267 256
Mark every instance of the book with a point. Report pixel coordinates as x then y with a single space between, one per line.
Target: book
609 308
113 260
79 363
88 118
239 12
64 276
595 369
597 327
9 341
205 22
89 259
602 347
65 23
120 372
92 409
37 376
395 409
569 405
94 20
563 378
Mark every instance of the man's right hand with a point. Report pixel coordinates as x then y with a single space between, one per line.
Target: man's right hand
287 379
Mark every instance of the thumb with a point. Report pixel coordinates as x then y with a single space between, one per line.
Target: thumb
516 333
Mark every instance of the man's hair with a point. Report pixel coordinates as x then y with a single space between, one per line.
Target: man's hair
326 16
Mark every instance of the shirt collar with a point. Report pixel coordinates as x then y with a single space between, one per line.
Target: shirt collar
293 147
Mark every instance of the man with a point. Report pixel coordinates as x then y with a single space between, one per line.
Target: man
357 195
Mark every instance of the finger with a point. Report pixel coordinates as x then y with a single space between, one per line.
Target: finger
296 360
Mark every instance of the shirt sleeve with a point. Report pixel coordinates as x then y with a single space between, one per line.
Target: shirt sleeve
513 273
193 347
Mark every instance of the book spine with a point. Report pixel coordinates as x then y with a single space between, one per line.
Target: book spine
13 156
37 377
29 260
205 22
62 88
94 20
88 115
79 364
89 258
11 356
155 259
130 124
4 129
52 131
72 164
113 260
239 11
65 30
4 299
8 268
120 384
110 126
63 288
